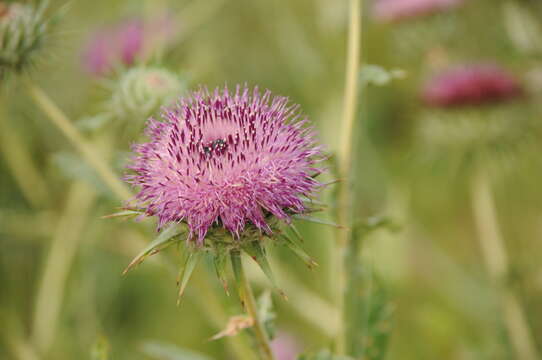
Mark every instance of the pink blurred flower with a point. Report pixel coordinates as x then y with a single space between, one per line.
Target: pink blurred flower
471 85
113 45
285 347
125 43
396 10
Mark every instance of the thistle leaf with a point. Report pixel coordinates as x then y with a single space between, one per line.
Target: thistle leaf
257 253
126 213
236 265
317 220
298 250
220 261
186 272
164 239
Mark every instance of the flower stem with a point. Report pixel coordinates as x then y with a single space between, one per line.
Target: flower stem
496 259
345 165
249 303
61 121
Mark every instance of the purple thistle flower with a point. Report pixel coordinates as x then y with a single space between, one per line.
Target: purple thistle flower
471 85
226 160
120 44
397 10
125 43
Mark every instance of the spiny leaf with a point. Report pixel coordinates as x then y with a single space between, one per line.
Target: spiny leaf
220 261
236 265
257 253
126 213
186 271
317 220
165 238
296 249
296 233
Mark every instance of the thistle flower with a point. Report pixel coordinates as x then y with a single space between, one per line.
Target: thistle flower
142 90
22 30
397 10
112 46
471 85
492 135
124 44
218 160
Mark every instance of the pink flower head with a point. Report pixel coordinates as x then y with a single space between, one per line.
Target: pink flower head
471 85
226 160
396 10
120 44
124 43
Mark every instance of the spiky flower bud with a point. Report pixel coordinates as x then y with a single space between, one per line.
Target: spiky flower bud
22 30
141 91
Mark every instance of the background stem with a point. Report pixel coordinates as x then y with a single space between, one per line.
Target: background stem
496 259
345 165
57 266
61 121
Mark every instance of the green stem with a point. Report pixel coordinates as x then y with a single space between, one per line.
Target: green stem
61 121
249 303
60 257
214 311
496 259
22 166
345 165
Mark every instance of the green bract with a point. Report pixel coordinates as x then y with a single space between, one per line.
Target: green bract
22 30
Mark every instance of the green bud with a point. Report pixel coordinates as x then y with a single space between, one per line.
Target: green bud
141 91
22 30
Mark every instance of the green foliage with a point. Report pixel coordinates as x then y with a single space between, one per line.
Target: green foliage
100 350
368 308
267 314
163 351
377 75
323 355
167 237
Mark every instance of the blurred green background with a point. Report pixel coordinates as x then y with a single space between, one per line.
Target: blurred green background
62 294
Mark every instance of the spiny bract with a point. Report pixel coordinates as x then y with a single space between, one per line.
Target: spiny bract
226 160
